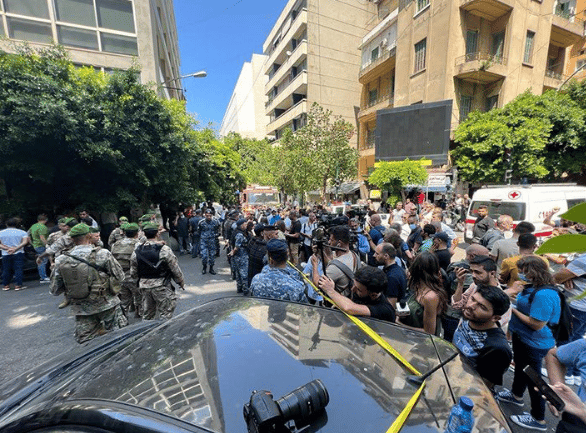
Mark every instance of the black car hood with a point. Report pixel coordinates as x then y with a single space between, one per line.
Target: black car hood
202 366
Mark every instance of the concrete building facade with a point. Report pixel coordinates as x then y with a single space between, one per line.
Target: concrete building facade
479 53
577 55
105 34
312 56
246 110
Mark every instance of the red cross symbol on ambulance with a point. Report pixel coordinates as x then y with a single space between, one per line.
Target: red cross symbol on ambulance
513 195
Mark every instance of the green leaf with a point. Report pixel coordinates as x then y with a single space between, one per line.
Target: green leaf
576 214
569 243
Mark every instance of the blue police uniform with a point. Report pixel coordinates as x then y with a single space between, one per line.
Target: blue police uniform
240 262
207 235
278 283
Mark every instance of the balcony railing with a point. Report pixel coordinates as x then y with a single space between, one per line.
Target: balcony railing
386 54
567 14
368 141
481 56
299 43
283 86
273 117
389 96
553 74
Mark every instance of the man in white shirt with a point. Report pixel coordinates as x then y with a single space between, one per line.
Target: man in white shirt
12 242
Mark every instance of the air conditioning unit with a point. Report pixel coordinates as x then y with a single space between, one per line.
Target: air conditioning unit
376 1
384 42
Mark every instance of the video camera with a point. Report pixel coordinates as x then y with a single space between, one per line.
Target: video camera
265 415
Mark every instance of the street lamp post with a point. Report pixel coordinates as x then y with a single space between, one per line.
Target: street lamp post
198 74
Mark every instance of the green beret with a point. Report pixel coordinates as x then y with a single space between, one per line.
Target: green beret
150 226
79 230
145 217
94 230
131 226
123 218
62 220
67 220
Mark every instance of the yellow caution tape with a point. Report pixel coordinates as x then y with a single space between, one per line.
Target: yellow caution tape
400 421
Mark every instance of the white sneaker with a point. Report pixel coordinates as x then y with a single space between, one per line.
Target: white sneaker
543 372
569 380
45 281
577 380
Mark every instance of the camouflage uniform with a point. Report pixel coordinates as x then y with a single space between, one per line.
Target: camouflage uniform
129 294
278 283
60 246
53 237
99 312
207 234
240 260
115 236
158 299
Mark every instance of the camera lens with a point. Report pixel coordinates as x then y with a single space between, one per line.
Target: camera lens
304 401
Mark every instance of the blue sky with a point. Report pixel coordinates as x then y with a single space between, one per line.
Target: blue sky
219 36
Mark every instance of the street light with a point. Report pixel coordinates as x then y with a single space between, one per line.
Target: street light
198 74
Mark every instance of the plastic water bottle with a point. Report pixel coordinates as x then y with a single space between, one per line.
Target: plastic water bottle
461 419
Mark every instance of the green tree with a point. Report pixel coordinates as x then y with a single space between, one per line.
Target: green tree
256 159
542 136
318 153
76 137
394 176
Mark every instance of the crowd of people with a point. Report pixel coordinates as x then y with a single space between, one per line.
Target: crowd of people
499 304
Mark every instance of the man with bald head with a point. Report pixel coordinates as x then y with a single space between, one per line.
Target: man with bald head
504 224
374 236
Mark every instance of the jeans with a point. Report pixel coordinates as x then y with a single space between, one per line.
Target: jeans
194 246
43 266
12 263
526 355
578 331
184 245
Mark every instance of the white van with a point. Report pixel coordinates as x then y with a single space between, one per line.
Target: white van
524 203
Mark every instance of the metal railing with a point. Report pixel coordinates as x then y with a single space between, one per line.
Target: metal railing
386 54
553 74
368 141
389 96
567 14
481 56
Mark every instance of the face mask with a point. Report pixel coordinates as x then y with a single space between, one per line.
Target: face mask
412 226
522 277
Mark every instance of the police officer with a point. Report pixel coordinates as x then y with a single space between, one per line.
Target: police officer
89 276
229 228
208 229
278 280
239 254
257 249
122 250
194 228
154 265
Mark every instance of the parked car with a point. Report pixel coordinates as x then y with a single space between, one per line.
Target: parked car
196 372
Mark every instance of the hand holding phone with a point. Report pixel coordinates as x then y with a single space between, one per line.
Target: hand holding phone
549 394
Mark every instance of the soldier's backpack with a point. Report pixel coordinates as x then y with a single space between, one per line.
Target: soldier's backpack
562 330
122 252
78 277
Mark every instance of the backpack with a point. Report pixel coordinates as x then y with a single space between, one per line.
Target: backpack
563 329
122 252
78 276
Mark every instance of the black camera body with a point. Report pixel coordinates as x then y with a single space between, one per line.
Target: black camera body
262 414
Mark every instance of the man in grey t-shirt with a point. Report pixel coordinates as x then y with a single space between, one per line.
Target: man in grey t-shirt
505 248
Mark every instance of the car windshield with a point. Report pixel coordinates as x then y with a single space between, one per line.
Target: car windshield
497 208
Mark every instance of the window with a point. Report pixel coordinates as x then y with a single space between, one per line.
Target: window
492 102
372 97
420 49
528 56
465 107
29 30
115 15
119 44
580 64
374 54
496 209
498 44
76 12
471 43
31 8
77 37
422 4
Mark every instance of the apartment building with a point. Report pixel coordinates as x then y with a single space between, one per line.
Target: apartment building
246 110
105 34
313 56
480 54
577 57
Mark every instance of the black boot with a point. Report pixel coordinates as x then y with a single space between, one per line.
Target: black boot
204 270
212 270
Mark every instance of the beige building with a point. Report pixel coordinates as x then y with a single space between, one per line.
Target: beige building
479 53
246 110
577 56
312 57
105 34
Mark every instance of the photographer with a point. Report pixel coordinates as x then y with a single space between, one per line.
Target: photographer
363 246
306 231
340 269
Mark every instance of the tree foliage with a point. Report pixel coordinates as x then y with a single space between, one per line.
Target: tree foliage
394 176
77 137
545 136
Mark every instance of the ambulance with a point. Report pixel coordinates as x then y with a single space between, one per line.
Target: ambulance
524 203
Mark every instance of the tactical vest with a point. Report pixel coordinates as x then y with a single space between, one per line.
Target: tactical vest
149 266
122 252
81 279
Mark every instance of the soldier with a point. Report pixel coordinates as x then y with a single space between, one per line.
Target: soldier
239 256
118 232
208 229
154 265
130 297
63 229
89 276
276 281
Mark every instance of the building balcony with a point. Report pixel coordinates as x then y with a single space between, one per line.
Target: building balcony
553 79
279 54
285 118
283 99
385 61
566 29
297 54
480 67
369 109
487 9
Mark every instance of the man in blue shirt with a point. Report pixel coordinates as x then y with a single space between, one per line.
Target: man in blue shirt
12 242
375 236
384 255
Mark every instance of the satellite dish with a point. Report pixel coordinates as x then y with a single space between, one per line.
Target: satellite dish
288 53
